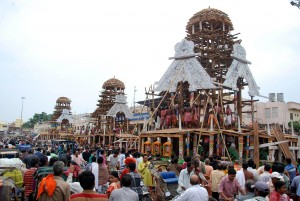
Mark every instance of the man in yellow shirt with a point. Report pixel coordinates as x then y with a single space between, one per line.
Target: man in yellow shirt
216 176
145 172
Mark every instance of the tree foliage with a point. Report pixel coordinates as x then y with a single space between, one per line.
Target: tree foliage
296 125
36 119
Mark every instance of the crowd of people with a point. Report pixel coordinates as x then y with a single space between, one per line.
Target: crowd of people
231 181
86 174
93 174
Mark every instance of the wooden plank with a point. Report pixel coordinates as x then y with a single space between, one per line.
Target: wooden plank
284 147
256 144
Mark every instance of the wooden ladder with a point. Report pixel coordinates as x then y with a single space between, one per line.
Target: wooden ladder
283 146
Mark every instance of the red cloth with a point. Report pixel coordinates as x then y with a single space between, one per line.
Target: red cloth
275 196
88 195
184 165
129 160
112 186
75 173
125 171
29 181
188 117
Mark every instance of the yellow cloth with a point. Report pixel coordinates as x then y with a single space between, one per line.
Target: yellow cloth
145 173
16 175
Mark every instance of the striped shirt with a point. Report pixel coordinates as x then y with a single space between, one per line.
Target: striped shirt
88 195
29 181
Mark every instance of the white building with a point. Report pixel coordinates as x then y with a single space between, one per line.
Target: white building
274 112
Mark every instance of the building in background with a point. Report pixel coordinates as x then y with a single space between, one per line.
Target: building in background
274 111
3 127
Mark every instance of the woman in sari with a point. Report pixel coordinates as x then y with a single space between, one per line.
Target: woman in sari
114 182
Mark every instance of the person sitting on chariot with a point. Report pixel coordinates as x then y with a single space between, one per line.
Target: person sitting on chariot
187 115
163 114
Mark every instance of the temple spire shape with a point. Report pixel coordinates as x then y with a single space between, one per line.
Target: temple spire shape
185 67
120 106
239 69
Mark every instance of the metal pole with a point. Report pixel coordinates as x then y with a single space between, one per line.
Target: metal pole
22 109
134 99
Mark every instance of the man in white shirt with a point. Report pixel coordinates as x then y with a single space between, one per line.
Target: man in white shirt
261 169
121 159
265 177
184 178
113 161
240 176
195 192
254 172
95 170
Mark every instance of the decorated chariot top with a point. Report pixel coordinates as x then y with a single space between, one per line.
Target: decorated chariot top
239 69
185 67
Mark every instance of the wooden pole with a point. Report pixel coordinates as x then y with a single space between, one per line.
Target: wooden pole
239 103
252 109
256 144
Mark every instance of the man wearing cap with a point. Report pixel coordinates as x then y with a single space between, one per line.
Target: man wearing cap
261 191
275 176
127 161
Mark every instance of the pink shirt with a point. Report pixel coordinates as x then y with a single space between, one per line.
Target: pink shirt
275 196
79 160
229 188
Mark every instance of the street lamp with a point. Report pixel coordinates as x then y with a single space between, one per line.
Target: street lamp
295 3
22 110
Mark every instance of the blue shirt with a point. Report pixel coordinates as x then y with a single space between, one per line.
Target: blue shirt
292 171
298 191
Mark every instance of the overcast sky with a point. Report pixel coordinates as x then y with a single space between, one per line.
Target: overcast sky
53 48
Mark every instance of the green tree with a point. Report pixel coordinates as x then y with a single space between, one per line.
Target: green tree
296 125
36 119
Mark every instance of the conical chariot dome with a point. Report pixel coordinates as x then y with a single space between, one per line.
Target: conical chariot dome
112 83
63 100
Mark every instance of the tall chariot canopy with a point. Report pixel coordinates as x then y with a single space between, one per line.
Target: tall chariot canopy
120 106
239 69
65 116
184 68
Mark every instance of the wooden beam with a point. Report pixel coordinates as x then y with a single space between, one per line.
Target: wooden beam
256 143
